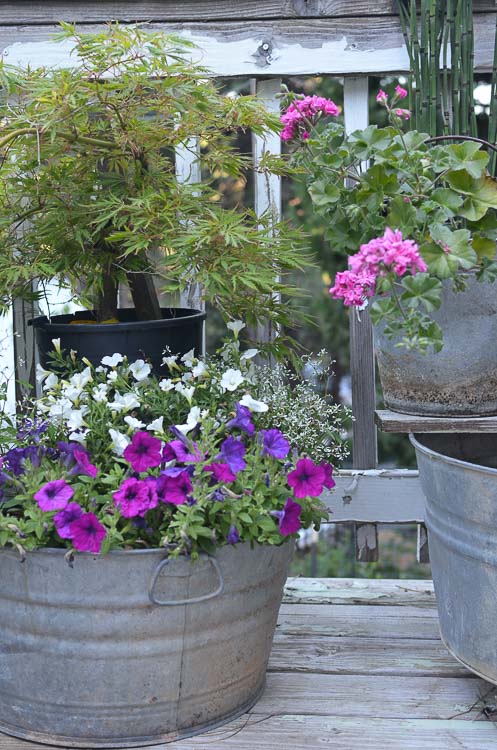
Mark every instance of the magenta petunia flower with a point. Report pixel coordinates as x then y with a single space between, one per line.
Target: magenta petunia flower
274 443
221 472
243 419
233 535
232 453
135 497
87 533
64 518
83 465
307 479
289 517
174 489
144 452
54 495
329 482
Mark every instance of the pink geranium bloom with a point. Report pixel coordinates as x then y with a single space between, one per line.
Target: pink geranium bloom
221 472
83 465
301 112
400 92
403 113
174 489
289 517
353 288
382 97
144 452
135 497
307 479
87 533
54 495
64 518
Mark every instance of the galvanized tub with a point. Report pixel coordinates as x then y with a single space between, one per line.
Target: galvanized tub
129 648
459 479
461 379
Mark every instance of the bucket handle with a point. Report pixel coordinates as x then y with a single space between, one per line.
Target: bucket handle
194 600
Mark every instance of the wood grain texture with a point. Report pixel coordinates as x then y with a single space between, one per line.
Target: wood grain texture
359 591
349 46
392 421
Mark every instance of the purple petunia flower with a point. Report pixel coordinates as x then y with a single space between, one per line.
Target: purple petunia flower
307 479
274 444
144 452
15 458
64 518
243 419
54 495
174 489
289 517
176 450
329 482
135 497
218 496
83 465
221 473
233 535
232 453
87 533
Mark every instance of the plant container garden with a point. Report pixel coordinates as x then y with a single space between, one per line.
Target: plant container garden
180 330
459 479
461 379
132 648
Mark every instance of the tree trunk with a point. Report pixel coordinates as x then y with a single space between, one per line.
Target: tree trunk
144 296
106 304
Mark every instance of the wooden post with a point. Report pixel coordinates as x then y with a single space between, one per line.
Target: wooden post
7 357
364 448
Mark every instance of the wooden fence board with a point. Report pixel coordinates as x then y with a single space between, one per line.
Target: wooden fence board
392 421
418 593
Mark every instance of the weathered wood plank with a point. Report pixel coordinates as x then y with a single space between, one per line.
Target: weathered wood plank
392 421
348 46
419 593
422 549
7 361
348 655
360 621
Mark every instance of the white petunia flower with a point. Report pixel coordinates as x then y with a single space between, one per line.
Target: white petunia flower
166 384
189 358
231 379
140 370
119 442
112 376
169 361
41 373
79 436
191 420
75 419
50 382
113 361
156 425
252 404
80 379
60 409
124 402
100 393
236 326
100 369
186 392
187 377
56 345
199 370
135 424
248 354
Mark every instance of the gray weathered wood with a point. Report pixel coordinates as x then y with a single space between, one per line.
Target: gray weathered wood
392 421
423 552
339 46
24 348
419 593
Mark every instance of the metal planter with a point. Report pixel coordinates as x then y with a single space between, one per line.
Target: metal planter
458 475
126 649
461 379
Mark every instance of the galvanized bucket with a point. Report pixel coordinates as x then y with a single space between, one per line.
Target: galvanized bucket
461 379
129 648
459 479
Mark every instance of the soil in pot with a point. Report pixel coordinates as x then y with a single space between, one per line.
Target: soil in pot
180 330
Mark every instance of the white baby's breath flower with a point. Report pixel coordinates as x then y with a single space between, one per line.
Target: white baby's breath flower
189 358
199 370
191 421
140 370
124 402
253 404
113 361
79 436
236 326
119 442
156 425
166 384
135 424
100 393
248 354
231 379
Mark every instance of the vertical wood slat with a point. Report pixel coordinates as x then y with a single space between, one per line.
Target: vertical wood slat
364 446
423 552
267 188
7 359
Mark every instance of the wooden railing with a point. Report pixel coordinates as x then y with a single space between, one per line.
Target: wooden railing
266 40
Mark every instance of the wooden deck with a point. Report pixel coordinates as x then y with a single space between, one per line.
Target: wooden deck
357 664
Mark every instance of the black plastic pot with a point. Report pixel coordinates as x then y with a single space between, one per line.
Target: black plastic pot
180 330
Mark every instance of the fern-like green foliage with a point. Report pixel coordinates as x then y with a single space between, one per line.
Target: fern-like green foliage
89 191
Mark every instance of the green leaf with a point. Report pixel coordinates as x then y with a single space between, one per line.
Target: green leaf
449 251
484 247
481 192
468 156
323 192
401 215
422 288
447 198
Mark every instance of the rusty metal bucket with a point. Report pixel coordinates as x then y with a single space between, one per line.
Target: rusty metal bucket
461 379
129 649
458 475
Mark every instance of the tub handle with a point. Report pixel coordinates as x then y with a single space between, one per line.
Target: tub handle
194 600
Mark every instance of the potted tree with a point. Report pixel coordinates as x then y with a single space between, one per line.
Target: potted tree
155 517
90 196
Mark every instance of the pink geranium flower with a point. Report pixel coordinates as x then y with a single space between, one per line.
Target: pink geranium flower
403 113
382 97
400 92
289 517
301 112
54 495
135 497
87 533
307 479
144 452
